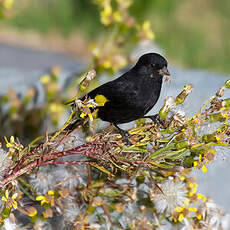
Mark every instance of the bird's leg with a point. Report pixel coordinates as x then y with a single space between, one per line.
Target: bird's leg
125 134
156 119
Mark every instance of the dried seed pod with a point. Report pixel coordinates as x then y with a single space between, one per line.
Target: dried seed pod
168 103
227 84
87 79
220 92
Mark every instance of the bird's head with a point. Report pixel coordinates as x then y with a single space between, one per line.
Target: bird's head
153 63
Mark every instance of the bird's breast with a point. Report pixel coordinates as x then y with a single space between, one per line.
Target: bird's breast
150 91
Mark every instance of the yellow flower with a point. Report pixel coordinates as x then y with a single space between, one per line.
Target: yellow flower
192 209
204 169
45 79
6 197
48 198
201 197
146 27
117 16
42 199
12 139
11 143
190 185
31 211
56 108
181 217
83 115
195 164
174 219
90 116
190 194
194 189
107 64
51 192
8 4
106 14
10 200
179 209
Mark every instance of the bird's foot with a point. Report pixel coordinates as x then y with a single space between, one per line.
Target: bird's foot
125 135
156 119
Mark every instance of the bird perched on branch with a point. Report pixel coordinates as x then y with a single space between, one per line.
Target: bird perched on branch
132 95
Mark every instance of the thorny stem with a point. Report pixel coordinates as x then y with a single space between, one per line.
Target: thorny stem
54 162
39 148
87 149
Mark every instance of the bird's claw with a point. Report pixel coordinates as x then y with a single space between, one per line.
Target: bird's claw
125 135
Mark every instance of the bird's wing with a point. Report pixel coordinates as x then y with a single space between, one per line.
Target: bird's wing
117 92
113 91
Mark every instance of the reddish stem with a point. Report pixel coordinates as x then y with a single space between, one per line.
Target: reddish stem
65 162
88 149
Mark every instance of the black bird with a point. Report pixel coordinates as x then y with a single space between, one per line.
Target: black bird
133 94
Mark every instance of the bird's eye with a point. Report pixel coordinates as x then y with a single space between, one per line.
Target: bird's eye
153 65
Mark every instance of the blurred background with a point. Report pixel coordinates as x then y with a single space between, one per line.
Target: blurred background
46 45
193 34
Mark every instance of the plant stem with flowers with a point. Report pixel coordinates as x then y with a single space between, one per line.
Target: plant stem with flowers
156 152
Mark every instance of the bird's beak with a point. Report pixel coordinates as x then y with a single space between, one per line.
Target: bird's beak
164 71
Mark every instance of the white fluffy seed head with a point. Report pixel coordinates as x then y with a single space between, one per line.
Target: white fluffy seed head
5 161
173 194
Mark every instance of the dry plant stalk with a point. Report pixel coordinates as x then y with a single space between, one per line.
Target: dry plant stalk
153 146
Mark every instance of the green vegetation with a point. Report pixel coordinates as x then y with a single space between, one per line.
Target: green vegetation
64 16
193 33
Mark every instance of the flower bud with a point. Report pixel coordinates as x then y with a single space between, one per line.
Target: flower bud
220 92
87 79
182 96
226 102
168 103
209 138
227 84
